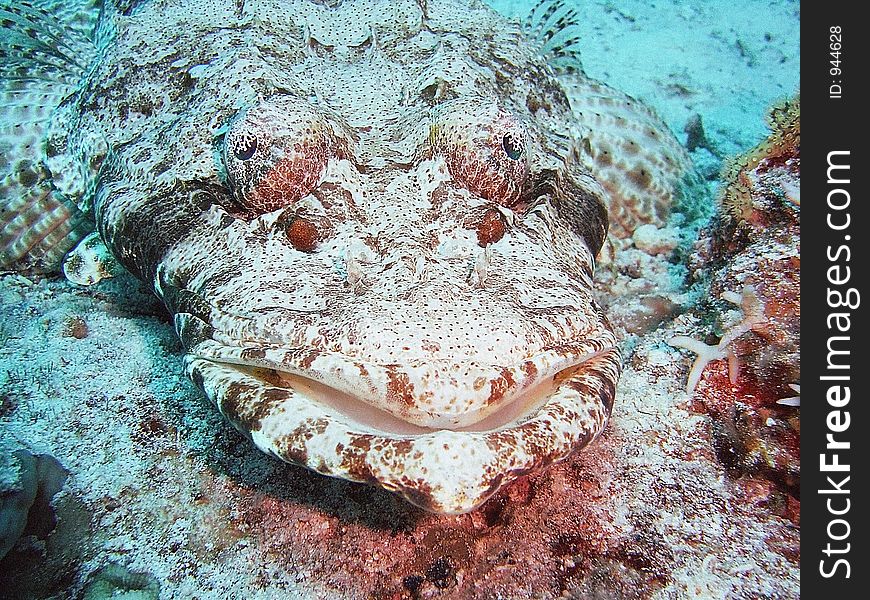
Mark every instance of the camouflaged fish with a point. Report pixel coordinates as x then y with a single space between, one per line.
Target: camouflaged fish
373 223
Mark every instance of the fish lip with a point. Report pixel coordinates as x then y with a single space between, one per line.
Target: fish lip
440 393
440 470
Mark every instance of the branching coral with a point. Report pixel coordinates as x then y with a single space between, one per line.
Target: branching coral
753 316
756 243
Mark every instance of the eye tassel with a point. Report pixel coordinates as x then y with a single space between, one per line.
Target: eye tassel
512 147
246 148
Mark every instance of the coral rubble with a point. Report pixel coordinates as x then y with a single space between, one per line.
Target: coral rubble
751 257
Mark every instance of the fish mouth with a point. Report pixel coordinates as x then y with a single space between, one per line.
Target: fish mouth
416 394
444 464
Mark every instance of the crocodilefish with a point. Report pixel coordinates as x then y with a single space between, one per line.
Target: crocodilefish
374 223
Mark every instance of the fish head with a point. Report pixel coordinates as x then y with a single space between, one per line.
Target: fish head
442 287
382 272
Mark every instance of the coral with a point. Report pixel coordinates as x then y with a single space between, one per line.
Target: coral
781 148
756 243
753 312
25 508
751 256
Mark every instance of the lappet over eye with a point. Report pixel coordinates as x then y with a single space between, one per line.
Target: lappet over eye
513 147
244 147
276 152
486 148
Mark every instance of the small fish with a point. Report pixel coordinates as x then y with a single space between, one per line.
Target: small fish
373 223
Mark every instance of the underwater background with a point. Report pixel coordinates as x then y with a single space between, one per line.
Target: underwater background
144 491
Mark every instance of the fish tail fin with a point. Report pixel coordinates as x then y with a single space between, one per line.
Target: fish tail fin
553 24
45 48
643 168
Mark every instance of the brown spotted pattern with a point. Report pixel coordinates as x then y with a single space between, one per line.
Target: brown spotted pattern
374 224
485 147
638 162
442 471
275 153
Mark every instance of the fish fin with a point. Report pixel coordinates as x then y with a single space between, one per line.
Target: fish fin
629 149
45 47
90 261
553 24
37 228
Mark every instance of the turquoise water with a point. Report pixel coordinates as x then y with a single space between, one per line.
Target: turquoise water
728 61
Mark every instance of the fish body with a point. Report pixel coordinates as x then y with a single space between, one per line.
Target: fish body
373 223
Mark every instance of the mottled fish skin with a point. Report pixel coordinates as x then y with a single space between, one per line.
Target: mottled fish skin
373 223
45 46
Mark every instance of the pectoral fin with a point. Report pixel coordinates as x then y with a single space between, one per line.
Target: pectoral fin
45 47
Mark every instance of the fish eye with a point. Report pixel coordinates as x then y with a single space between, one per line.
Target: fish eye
245 148
512 146
276 152
485 147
